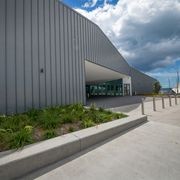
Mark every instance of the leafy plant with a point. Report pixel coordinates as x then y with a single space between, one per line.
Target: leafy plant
50 134
21 138
15 122
88 123
21 129
93 107
33 114
49 119
101 109
67 118
71 129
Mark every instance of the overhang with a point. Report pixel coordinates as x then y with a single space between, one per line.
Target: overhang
96 73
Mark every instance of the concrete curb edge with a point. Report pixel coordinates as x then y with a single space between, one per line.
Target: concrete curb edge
41 154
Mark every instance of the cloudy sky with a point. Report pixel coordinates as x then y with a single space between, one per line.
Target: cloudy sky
146 32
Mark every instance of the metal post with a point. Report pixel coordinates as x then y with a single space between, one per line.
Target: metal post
163 105
142 107
154 104
170 104
176 100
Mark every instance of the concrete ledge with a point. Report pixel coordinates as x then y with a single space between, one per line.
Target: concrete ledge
47 152
91 136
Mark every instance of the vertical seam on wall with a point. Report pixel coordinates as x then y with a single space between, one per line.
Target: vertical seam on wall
39 89
65 83
83 64
81 55
60 56
55 42
50 49
69 46
77 56
6 55
67 67
24 57
32 60
45 55
74 44
15 56
72 58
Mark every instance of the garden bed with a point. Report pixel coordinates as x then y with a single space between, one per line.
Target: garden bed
19 130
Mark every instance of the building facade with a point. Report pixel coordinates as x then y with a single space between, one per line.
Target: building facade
51 55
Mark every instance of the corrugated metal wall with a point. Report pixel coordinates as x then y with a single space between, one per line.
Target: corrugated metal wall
35 36
141 83
43 45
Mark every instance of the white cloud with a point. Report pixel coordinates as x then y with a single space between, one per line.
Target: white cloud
90 3
147 33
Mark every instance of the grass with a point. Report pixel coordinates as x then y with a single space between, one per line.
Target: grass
19 130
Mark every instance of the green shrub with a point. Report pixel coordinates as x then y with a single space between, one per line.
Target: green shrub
33 114
15 122
49 119
93 107
19 130
50 134
118 115
88 123
78 107
71 129
4 139
67 118
20 138
101 109
108 112
105 118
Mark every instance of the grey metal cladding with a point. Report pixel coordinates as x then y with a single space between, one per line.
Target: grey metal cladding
43 48
3 82
141 83
41 59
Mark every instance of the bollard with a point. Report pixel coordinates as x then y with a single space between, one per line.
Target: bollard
176 100
154 104
142 107
163 105
170 104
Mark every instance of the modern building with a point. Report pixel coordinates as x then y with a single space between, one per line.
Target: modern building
52 55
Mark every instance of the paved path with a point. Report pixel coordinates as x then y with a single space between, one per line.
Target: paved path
109 102
149 152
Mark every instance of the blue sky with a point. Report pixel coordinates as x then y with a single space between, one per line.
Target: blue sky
81 3
146 33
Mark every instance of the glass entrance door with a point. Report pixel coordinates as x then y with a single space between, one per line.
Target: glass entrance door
126 89
109 88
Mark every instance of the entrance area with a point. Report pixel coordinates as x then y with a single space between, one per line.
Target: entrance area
102 81
126 89
109 88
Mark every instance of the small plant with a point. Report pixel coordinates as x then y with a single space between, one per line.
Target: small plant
49 119
50 134
21 138
78 107
22 129
101 109
67 118
88 123
4 136
71 129
33 114
108 112
93 107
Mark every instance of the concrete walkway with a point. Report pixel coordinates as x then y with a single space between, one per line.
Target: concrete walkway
150 152
114 101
